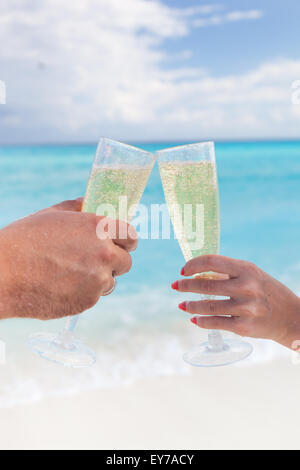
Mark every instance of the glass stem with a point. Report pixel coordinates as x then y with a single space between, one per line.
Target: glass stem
66 336
71 323
215 338
215 341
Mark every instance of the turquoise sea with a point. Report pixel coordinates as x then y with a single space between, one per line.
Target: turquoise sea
138 331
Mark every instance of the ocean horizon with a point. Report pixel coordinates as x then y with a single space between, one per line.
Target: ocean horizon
171 142
138 331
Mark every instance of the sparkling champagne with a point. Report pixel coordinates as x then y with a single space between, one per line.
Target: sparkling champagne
108 186
191 192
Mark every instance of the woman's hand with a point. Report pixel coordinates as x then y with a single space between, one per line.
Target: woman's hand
259 306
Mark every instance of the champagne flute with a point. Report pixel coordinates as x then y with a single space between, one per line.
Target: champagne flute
117 181
189 179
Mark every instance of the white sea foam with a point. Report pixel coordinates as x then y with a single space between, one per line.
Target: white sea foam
135 336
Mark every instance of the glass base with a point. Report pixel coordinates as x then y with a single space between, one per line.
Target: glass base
55 348
231 351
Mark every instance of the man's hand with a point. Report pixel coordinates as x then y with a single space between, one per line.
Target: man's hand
259 306
53 264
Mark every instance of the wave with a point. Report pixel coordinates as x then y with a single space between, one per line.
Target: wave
135 336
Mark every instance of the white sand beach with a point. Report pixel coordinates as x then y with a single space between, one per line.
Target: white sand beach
236 407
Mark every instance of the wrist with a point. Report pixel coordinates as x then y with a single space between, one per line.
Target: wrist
6 279
291 336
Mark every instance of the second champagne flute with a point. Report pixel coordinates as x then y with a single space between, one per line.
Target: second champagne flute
189 178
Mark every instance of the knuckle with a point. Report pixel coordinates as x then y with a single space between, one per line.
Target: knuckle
262 307
134 245
207 286
128 264
68 202
245 310
183 284
188 266
242 329
250 289
131 244
192 307
257 308
249 309
252 269
211 307
259 292
68 205
209 258
105 282
132 237
108 254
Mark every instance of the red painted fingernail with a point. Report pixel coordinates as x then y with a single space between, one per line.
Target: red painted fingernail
175 285
194 320
182 272
182 306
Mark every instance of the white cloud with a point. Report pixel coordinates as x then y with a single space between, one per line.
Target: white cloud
77 70
244 15
201 10
230 17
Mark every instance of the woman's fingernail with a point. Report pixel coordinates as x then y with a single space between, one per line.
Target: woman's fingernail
182 306
194 320
175 285
182 272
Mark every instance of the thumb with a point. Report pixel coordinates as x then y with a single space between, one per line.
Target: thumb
73 205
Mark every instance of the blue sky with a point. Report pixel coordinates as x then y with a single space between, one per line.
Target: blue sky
149 69
238 47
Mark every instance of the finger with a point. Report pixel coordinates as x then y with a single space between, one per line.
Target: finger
111 288
120 232
122 261
227 287
209 307
73 205
216 323
126 236
108 285
215 263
